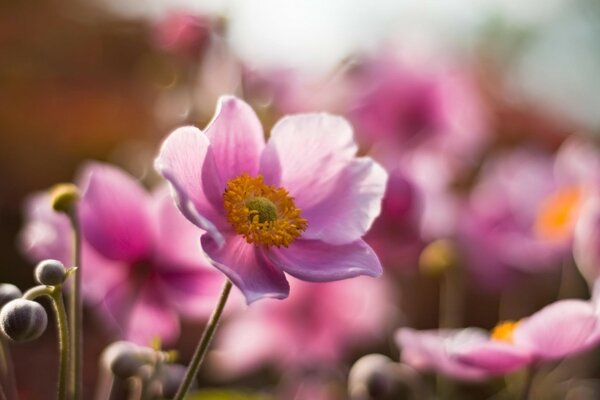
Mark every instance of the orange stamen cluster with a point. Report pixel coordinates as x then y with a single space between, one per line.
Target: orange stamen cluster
263 214
503 332
558 213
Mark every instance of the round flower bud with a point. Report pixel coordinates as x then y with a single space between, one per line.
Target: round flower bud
125 359
438 257
23 320
377 377
64 196
8 292
50 273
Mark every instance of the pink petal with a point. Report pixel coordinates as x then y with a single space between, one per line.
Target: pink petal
140 313
185 160
494 356
428 351
236 138
252 273
317 261
352 205
313 157
192 292
114 213
46 234
176 243
558 330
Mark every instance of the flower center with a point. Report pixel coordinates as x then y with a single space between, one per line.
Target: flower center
263 214
503 332
557 214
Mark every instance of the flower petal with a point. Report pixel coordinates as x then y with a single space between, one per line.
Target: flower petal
114 213
185 160
307 151
559 329
236 138
192 292
493 356
317 261
252 273
46 233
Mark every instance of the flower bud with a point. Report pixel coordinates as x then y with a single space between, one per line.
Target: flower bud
8 292
50 273
23 320
64 196
438 257
125 359
376 377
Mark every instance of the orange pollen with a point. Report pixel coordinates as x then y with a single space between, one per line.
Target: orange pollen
263 214
503 332
557 214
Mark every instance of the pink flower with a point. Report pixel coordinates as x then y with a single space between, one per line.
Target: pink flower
522 213
299 203
182 33
559 330
142 263
314 326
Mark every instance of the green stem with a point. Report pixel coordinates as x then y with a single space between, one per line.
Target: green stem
204 343
8 373
526 390
55 293
75 312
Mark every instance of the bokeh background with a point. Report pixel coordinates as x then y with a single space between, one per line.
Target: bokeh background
108 80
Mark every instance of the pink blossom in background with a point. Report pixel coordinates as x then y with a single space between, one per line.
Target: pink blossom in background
559 330
395 234
408 105
521 214
314 327
429 351
299 203
142 262
182 33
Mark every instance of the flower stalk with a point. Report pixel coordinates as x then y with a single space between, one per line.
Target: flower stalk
55 294
9 386
75 311
204 343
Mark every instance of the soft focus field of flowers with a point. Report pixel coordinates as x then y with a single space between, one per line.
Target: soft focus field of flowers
428 173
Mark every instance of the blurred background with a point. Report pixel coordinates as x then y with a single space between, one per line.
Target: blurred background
483 111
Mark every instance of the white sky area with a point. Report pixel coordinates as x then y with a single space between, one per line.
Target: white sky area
559 68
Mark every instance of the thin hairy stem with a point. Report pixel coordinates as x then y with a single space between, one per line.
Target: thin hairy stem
203 344
75 312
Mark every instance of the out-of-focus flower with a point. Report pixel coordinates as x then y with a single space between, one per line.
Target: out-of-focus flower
142 263
313 327
522 212
182 33
430 351
299 203
559 330
405 106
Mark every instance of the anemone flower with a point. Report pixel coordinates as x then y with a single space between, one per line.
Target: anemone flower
299 203
142 264
559 330
315 326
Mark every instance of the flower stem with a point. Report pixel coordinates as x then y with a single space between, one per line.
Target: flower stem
204 343
55 293
75 312
526 390
8 373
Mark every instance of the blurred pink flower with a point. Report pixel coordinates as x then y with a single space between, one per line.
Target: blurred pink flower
522 213
182 33
316 325
406 105
559 330
430 351
299 203
142 263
